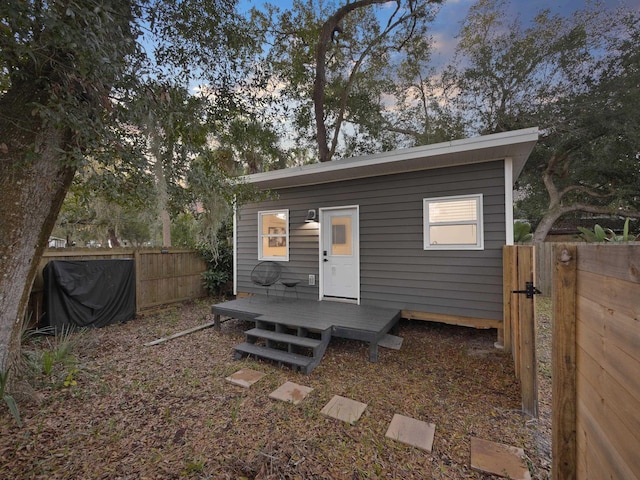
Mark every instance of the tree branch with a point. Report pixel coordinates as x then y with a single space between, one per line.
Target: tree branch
589 191
324 152
356 68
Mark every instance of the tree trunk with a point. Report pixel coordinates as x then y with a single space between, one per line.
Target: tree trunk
163 194
33 185
543 228
113 238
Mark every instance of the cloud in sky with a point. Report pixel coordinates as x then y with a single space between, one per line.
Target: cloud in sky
448 21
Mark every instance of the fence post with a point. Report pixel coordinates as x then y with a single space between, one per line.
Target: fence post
527 334
507 283
138 273
564 448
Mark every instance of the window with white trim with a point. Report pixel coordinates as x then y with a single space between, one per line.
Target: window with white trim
453 223
273 235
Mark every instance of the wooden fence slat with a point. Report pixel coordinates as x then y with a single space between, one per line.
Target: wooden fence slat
614 393
611 437
564 451
527 329
615 294
596 461
620 261
617 330
544 267
508 266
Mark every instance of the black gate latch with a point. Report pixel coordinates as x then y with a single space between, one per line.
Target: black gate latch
529 290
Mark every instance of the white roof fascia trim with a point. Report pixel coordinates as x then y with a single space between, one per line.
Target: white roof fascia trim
426 151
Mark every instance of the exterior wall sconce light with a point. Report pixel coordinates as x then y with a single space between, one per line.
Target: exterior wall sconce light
311 216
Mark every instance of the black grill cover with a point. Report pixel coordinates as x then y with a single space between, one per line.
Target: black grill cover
89 293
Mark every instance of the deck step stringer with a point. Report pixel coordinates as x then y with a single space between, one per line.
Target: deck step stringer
276 341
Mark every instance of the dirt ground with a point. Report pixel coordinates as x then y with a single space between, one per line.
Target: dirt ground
112 408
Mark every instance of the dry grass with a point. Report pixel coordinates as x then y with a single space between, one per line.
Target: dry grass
167 412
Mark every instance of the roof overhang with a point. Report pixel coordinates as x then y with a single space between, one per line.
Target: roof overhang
516 145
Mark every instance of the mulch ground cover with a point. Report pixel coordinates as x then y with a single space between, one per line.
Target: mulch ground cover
112 408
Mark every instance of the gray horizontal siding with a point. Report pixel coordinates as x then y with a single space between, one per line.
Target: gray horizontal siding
303 248
395 270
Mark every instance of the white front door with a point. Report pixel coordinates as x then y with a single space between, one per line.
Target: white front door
339 252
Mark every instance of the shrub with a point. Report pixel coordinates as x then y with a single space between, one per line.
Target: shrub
522 232
600 234
219 257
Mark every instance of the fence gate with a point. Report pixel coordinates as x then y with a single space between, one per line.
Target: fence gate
519 334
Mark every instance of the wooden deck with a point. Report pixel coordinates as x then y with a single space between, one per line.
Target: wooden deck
345 320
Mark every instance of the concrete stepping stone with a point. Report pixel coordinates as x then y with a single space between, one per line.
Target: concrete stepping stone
499 459
410 431
245 377
291 392
344 409
391 341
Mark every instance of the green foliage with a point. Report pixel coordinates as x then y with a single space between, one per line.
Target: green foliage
219 257
522 232
8 399
184 231
599 234
52 356
64 61
574 78
360 64
214 280
70 381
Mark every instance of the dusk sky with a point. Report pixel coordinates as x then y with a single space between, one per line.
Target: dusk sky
452 12
448 21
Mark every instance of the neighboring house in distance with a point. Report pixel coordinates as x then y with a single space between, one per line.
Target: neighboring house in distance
57 242
566 229
420 229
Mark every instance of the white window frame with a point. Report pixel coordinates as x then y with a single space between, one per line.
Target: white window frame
479 222
261 255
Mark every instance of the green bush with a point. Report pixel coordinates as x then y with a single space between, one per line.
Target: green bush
219 257
599 234
8 399
522 232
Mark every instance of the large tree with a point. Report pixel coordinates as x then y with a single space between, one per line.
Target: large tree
69 70
62 60
576 78
330 58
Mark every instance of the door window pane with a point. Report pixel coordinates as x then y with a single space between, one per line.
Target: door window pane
341 243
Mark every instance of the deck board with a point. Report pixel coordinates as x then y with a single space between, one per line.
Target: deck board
346 320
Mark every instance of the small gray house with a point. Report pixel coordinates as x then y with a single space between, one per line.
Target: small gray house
420 229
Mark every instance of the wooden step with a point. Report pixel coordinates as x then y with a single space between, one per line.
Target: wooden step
293 359
284 338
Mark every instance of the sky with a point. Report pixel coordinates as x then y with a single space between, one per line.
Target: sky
452 12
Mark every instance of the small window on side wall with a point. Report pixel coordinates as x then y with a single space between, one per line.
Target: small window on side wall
273 235
453 223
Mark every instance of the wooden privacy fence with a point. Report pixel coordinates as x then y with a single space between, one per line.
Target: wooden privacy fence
596 361
519 325
162 277
545 265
